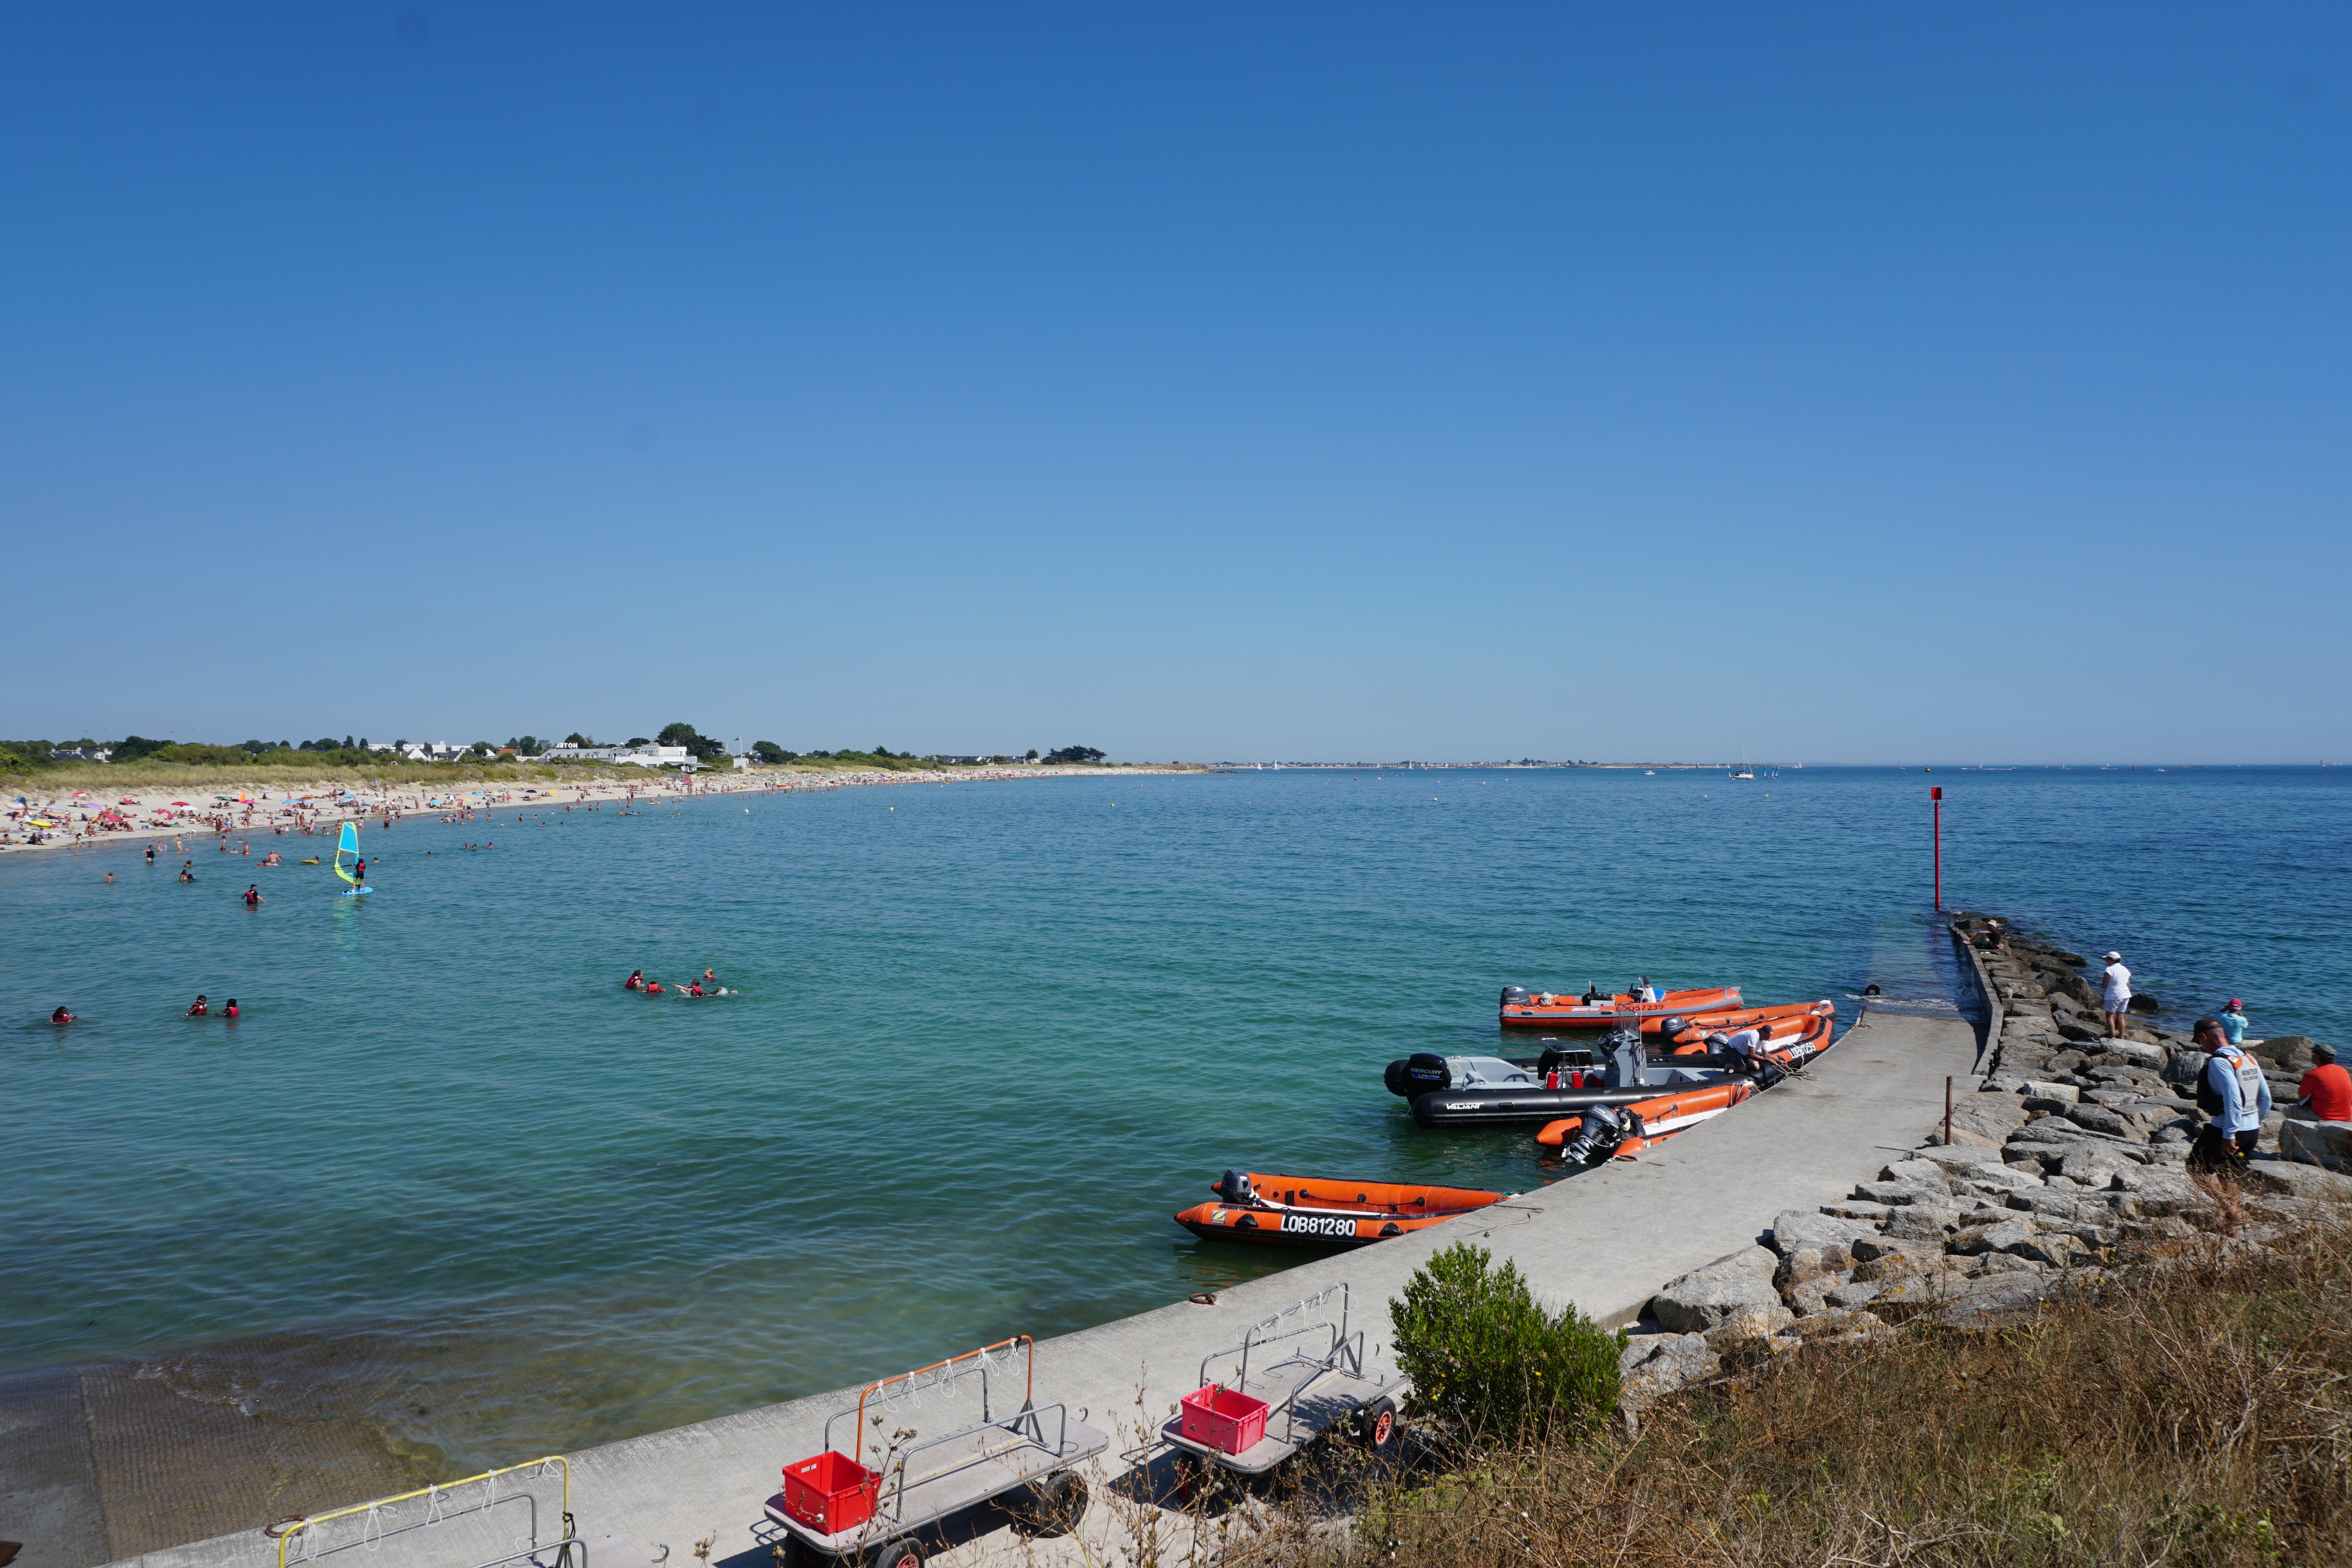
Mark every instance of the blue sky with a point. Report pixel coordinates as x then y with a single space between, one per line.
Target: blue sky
1834 382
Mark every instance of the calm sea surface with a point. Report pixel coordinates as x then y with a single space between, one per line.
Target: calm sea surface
990 1036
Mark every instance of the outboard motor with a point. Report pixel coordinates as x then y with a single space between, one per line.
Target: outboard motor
1600 1131
1672 1025
1425 1073
1516 997
1236 1188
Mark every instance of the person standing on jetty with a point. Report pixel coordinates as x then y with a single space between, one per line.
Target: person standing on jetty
2116 1002
2234 1082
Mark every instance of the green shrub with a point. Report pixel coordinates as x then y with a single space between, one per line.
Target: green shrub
1487 1361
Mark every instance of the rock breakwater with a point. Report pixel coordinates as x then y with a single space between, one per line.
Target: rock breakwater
2064 1166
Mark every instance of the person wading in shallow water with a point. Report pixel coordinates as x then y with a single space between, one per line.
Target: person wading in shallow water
2234 1091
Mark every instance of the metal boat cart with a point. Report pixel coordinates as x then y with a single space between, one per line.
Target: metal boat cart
835 1505
1252 1422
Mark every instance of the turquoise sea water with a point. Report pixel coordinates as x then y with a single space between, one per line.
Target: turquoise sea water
991 1037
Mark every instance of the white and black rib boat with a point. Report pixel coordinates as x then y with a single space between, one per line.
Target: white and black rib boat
1497 1091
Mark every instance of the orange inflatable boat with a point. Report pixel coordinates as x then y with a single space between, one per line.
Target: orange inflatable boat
1697 1029
1783 1041
1308 1211
1619 1132
1523 1008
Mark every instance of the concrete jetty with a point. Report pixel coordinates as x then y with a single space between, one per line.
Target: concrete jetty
1605 1241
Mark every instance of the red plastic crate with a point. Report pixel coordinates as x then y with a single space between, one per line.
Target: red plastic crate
1227 1419
831 1493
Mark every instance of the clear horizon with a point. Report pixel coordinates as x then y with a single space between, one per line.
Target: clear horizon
1347 380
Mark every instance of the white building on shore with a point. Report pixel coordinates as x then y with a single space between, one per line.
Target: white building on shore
637 756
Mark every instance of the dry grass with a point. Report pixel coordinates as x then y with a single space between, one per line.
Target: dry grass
2199 1414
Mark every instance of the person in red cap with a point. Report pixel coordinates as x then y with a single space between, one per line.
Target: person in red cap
2233 1023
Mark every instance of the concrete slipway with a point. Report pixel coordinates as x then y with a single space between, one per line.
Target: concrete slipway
1604 1240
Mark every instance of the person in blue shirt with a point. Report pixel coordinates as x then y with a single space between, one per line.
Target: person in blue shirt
2237 1080
2234 1022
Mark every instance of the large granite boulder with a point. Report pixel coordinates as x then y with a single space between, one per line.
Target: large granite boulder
1984 1120
1737 1282
1656 1366
2325 1144
2286 1052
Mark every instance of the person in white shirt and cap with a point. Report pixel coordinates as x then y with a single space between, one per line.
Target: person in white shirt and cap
2116 1003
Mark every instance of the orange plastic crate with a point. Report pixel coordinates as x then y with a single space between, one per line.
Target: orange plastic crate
1227 1419
829 1493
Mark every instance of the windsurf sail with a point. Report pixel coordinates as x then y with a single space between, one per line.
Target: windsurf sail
349 844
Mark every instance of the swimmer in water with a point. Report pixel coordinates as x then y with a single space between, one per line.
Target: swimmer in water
197 1009
635 982
187 871
110 877
695 990
230 1011
151 854
274 859
652 988
62 1015
253 895
710 979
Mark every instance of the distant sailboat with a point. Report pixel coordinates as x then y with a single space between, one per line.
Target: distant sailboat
1745 771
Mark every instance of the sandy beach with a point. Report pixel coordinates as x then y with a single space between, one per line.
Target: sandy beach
80 818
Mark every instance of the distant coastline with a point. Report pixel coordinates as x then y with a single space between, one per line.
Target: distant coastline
259 807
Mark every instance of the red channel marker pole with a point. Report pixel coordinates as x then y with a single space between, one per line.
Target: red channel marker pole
1936 793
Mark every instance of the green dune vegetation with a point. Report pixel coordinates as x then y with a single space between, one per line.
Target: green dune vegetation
58 767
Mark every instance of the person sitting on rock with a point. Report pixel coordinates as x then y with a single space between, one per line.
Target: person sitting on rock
2235 1081
2326 1090
2233 1024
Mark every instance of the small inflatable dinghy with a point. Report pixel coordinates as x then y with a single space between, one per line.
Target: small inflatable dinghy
1784 1041
1523 1008
1694 1032
1309 1211
1620 1132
